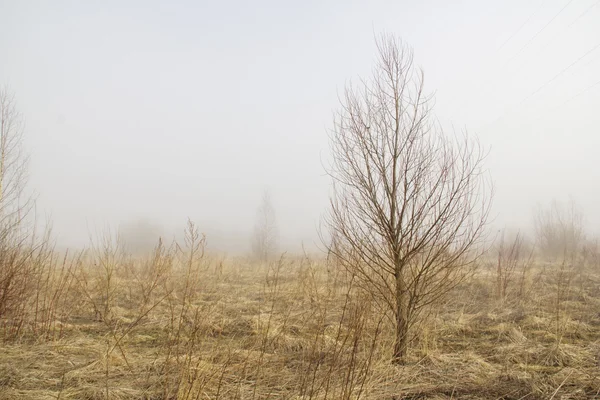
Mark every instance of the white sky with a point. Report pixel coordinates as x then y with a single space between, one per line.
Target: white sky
168 110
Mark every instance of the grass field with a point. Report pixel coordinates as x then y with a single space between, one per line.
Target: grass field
183 324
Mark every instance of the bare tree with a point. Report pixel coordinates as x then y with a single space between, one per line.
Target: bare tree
17 245
410 204
264 244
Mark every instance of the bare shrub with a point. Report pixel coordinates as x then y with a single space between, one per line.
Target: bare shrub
181 367
410 204
54 294
108 258
514 262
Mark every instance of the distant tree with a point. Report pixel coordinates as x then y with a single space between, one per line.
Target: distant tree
410 204
266 234
559 229
140 236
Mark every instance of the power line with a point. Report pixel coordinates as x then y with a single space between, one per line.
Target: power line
522 26
592 60
540 31
587 89
580 93
570 99
561 72
547 83
584 13
463 104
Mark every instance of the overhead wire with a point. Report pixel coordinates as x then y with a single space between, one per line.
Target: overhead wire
583 14
464 103
570 99
540 31
561 72
521 26
546 84
564 70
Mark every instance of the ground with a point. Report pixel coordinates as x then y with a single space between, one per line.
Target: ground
204 327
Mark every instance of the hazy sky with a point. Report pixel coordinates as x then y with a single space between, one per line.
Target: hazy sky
168 110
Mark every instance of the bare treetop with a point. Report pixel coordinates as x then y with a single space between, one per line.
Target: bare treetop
14 206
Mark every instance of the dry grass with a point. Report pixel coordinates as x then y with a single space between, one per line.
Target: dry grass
182 324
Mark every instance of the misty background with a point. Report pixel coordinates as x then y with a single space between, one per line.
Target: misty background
145 113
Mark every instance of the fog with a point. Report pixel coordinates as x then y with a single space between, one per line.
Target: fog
159 112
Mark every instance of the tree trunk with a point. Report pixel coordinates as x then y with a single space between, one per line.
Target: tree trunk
401 340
